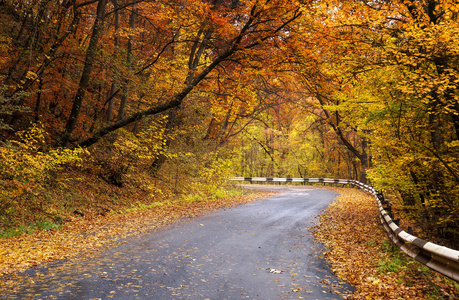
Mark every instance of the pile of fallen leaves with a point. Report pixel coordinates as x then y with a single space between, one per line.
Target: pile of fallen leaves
361 253
86 235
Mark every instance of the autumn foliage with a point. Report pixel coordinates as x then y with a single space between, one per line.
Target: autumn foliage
102 100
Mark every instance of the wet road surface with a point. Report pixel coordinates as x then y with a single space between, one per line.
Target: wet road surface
261 250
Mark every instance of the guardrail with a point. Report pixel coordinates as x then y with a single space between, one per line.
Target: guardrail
274 179
439 258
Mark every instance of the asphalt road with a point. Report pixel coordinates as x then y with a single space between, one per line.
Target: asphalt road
261 250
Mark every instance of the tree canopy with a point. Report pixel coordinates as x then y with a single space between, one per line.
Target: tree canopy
356 89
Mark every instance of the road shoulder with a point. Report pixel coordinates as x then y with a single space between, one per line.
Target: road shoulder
361 254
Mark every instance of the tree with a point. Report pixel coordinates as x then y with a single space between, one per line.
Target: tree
401 94
86 74
256 31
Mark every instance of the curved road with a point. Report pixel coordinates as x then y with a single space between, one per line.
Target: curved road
261 250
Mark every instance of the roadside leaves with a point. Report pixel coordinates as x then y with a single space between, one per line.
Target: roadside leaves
360 253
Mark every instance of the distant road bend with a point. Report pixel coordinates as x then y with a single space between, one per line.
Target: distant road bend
261 250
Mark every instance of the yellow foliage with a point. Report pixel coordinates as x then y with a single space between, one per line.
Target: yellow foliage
31 75
216 174
143 147
25 165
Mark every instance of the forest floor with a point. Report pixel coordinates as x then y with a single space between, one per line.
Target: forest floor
357 247
361 253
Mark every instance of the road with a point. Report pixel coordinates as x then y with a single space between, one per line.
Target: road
261 250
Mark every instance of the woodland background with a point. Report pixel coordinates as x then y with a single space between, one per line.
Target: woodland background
115 105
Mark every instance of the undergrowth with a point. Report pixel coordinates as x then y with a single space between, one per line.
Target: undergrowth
41 189
27 229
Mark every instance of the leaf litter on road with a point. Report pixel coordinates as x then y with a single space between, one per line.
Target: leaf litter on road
85 236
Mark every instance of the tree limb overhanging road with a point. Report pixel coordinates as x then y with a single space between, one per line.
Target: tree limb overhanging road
260 250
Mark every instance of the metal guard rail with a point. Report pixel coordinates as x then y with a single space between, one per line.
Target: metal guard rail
439 258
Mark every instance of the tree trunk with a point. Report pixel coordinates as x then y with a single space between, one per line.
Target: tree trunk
364 161
86 75
113 87
129 58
